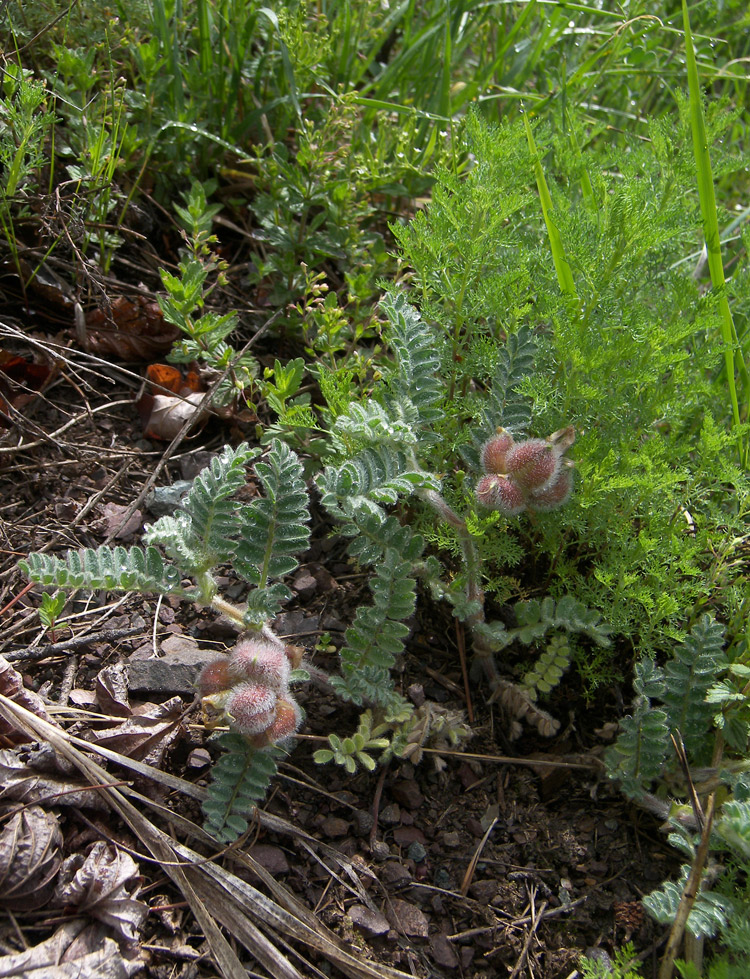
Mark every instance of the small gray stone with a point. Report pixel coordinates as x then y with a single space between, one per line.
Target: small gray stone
416 852
390 815
380 850
164 500
305 585
395 873
483 890
271 858
372 922
363 821
176 672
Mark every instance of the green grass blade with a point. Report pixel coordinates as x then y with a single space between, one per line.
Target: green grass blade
562 268
732 352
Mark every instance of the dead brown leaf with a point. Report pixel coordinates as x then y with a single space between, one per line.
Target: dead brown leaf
29 859
11 686
145 736
130 329
19 783
112 690
75 951
169 413
105 885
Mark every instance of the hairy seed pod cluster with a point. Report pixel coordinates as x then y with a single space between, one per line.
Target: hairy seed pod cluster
250 690
530 475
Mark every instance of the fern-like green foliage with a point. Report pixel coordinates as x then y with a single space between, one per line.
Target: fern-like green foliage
272 530
376 442
376 636
506 404
537 618
688 674
549 668
375 477
203 532
708 915
668 700
114 568
239 781
414 386
260 539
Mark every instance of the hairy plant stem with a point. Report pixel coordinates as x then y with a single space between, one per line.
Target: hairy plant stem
226 608
474 590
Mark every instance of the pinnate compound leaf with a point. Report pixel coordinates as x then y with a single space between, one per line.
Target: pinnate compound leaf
214 517
240 779
111 568
709 913
417 374
30 859
273 529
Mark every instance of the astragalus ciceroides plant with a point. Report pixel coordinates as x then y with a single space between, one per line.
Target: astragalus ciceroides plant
382 475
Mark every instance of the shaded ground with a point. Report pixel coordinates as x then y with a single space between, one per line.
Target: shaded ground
482 869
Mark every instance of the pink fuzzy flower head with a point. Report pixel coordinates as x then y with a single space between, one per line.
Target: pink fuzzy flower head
285 724
262 662
500 493
214 677
495 452
554 494
533 463
251 708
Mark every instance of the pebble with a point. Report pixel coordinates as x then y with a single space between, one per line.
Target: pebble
408 918
404 835
380 850
363 821
395 873
442 879
407 792
416 852
443 952
390 815
372 922
451 839
483 890
334 826
272 858
305 585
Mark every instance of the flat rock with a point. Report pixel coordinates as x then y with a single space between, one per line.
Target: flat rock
408 918
369 921
271 858
443 952
176 672
404 835
394 873
407 792
334 826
